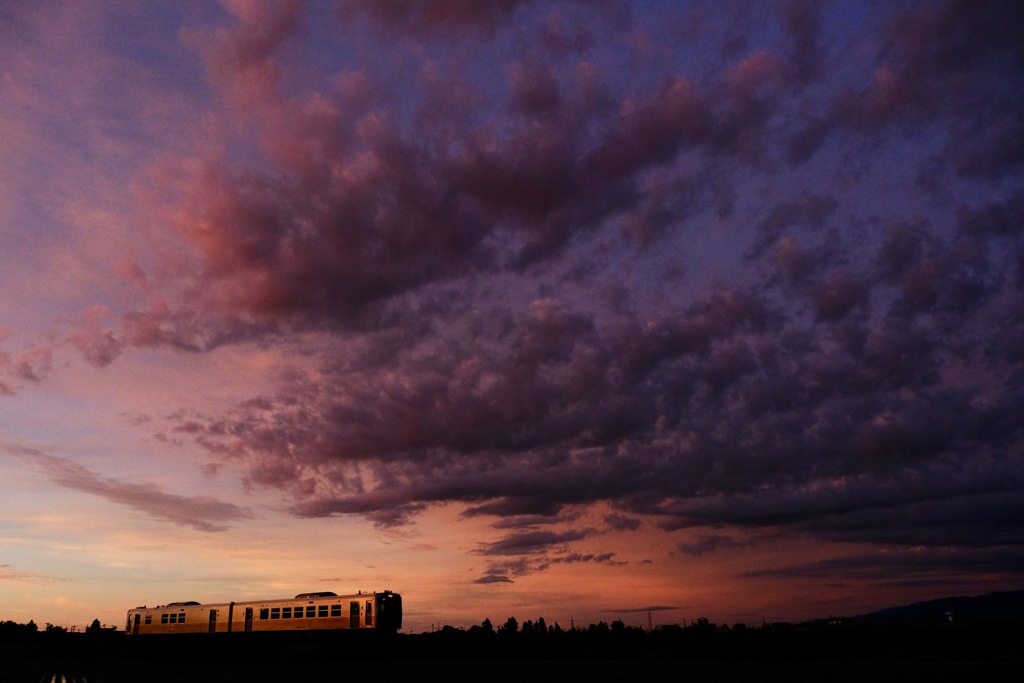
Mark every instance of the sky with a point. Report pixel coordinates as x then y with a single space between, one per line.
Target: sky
578 310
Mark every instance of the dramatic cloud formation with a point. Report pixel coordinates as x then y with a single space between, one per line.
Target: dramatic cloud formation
716 274
857 379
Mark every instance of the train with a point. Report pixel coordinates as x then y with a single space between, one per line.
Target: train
321 611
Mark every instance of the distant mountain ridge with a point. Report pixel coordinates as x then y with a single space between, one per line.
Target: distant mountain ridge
1003 606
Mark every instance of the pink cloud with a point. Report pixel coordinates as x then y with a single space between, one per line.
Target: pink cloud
200 512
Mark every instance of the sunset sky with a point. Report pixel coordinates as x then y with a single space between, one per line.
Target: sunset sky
582 310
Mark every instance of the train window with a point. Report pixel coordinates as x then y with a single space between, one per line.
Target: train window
369 612
286 613
172 619
264 613
275 612
149 618
163 618
322 611
310 612
181 618
335 610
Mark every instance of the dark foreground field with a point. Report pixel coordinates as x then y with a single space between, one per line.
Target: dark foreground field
504 671
849 653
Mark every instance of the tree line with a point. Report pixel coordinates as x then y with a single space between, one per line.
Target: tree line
702 639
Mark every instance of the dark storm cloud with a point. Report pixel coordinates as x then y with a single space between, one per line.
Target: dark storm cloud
622 523
199 512
957 62
536 551
523 521
573 558
850 369
705 543
358 205
529 542
359 209
493 578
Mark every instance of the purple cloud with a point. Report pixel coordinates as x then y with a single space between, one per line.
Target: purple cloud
769 279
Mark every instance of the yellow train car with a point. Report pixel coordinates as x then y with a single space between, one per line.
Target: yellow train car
305 612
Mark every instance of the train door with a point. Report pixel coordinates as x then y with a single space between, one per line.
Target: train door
135 624
213 621
248 619
353 615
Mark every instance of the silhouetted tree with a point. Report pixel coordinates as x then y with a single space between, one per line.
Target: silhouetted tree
511 626
703 624
13 631
486 626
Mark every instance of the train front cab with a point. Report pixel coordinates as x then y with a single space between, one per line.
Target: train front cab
389 611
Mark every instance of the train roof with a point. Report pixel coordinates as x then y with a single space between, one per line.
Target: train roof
300 596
